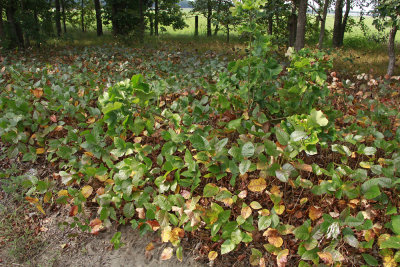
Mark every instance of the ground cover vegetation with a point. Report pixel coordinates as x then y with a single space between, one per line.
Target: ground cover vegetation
268 159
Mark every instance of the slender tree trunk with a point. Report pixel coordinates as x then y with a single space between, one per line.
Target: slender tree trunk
323 23
344 22
37 25
227 33
82 16
292 25
218 11
270 25
58 17
63 15
209 14
99 22
337 26
391 51
196 25
17 37
156 11
141 22
1 23
151 24
301 25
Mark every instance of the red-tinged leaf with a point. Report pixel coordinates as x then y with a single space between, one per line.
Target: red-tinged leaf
53 118
281 258
315 213
95 222
166 253
150 246
32 200
73 211
96 229
326 257
302 166
154 225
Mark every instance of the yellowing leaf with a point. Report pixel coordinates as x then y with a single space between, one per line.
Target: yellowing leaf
242 194
279 210
326 257
47 197
212 255
365 165
257 185
245 212
303 201
166 234
314 213
91 120
264 212
32 200
40 150
255 205
166 254
150 246
277 241
39 207
37 92
87 190
62 193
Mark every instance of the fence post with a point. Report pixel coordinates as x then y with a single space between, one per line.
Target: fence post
196 25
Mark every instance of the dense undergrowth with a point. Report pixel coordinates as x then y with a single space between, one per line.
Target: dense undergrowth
284 162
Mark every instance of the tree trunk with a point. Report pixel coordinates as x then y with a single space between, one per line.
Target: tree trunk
391 51
16 35
58 17
82 16
344 22
151 24
270 26
99 22
337 26
196 25
141 22
227 33
63 15
156 11
218 11
209 14
301 25
323 23
292 25
1 23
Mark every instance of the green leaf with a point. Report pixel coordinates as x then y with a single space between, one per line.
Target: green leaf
248 150
129 210
233 125
396 224
392 242
371 261
372 192
227 246
282 136
264 222
244 166
302 232
298 136
283 176
369 151
199 142
210 190
318 117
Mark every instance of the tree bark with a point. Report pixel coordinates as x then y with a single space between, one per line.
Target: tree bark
16 35
209 14
63 15
270 25
151 24
337 26
141 22
196 25
301 25
323 23
218 11
391 51
227 33
82 16
156 11
292 25
1 22
344 22
58 17
99 22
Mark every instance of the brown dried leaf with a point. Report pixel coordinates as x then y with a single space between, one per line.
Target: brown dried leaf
315 213
166 253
